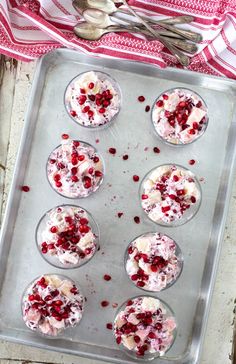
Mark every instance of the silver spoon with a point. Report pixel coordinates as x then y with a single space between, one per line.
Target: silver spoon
89 32
100 19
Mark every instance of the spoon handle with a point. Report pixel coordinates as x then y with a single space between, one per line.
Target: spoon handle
182 58
194 37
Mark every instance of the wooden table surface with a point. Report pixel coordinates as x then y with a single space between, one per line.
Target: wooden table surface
15 83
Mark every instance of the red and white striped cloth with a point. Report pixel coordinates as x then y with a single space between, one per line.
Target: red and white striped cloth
31 28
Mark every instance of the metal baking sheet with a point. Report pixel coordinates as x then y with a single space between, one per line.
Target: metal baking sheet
132 133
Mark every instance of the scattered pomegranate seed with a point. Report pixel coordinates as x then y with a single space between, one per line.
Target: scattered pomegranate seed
159 103
96 159
118 340
165 209
147 108
112 150
97 141
107 277
25 188
91 85
156 150
191 162
65 136
58 184
98 174
144 197
104 303
135 178
53 229
109 326
141 98
136 219
125 157
119 214
140 284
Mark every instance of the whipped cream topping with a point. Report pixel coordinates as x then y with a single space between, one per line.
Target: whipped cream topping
180 116
152 261
68 236
169 193
75 169
144 327
52 304
92 99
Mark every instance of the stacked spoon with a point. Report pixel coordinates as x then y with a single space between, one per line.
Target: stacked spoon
103 16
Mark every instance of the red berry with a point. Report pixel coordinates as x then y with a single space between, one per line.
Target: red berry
65 136
135 178
106 277
141 98
156 150
25 188
112 150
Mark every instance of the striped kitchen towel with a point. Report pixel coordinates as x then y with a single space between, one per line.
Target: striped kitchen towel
31 28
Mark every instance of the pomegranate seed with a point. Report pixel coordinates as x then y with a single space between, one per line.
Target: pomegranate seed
53 229
97 141
83 221
158 326
180 192
191 162
82 99
84 229
193 199
104 303
172 197
129 303
134 277
192 131
140 284
58 184
118 340
98 102
125 157
147 108
31 297
130 250
144 197
87 185
98 174
61 165
90 170
74 170
74 161
154 268
135 178
102 110
112 150
81 157
136 219
165 209
119 214
199 104
82 91
74 178
106 277
109 326
91 97
175 178
90 113
159 103
106 103
73 113
165 97
74 290
151 335
86 109
57 177
65 136
58 303
141 98
25 188
156 150
96 159
137 339
44 250
51 246
52 161
91 85
195 125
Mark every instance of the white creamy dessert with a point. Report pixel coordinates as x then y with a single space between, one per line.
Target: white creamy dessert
75 169
51 304
153 262
67 235
170 194
145 326
179 116
92 99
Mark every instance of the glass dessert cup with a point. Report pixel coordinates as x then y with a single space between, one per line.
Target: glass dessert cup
170 195
152 331
67 236
153 261
182 125
79 176
46 305
93 99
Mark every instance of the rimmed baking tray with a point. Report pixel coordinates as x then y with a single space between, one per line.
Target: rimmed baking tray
132 133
